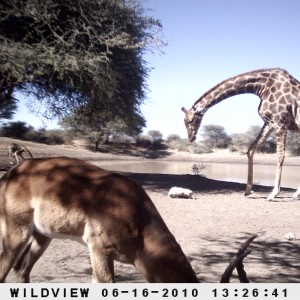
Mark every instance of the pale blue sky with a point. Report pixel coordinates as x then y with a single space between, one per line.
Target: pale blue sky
209 41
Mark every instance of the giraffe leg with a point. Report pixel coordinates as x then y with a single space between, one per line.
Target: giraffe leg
263 134
250 154
281 139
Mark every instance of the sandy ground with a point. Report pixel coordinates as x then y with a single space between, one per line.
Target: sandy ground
210 227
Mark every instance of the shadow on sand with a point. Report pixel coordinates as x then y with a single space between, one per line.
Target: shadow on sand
196 183
269 261
277 260
154 151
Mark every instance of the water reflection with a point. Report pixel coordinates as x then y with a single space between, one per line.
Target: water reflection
263 174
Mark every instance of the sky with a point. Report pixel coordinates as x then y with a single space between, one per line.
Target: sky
208 42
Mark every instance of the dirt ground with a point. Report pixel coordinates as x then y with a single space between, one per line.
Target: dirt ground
210 227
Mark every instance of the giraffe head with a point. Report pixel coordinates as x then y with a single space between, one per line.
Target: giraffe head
192 122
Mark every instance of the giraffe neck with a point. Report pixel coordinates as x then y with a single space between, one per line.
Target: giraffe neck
251 82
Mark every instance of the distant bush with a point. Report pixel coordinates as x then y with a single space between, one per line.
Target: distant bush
152 140
197 168
214 136
200 148
155 136
121 138
49 137
242 141
143 141
23 131
16 130
54 137
293 143
173 137
185 146
179 145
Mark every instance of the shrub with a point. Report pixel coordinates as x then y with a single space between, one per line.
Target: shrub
155 136
293 143
215 136
200 148
16 130
242 141
173 137
23 131
179 145
197 168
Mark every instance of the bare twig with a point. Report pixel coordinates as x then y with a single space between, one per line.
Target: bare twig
238 263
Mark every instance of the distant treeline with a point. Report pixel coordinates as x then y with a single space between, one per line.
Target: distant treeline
211 137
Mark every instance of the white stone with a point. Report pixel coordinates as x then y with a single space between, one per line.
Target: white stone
290 236
177 192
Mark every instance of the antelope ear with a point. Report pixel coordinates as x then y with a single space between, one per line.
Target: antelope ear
183 109
194 108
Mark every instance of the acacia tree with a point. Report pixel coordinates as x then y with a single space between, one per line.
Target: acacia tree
98 124
215 136
76 55
7 107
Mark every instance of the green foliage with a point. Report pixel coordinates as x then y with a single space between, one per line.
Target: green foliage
199 148
23 131
15 130
214 136
175 142
95 138
77 57
52 137
173 137
96 123
152 139
8 107
155 135
242 141
179 145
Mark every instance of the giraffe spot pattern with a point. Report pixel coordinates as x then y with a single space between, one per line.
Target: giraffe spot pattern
279 107
276 88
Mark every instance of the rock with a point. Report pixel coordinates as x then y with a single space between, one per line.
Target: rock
177 192
290 236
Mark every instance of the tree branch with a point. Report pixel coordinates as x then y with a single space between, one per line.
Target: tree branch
238 263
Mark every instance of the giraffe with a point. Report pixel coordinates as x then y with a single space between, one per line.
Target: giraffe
279 107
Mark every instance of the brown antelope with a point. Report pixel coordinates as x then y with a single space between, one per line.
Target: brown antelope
42 199
16 151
